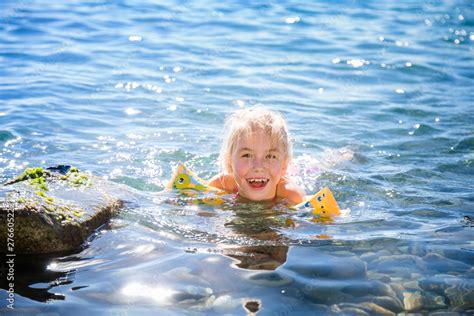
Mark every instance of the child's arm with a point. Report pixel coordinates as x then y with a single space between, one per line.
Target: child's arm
223 182
290 191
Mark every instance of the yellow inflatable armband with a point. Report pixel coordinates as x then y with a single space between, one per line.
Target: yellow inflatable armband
183 179
323 204
189 184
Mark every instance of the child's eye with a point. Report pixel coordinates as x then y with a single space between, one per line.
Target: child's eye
246 155
271 156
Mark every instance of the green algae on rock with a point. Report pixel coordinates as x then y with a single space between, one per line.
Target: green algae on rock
54 212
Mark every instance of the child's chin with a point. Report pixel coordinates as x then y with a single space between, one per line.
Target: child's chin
259 196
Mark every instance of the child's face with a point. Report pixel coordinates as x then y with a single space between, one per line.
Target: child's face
257 166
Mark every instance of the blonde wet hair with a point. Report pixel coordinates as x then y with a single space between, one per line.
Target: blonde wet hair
244 122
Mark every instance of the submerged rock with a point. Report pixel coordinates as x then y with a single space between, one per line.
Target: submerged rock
412 301
375 309
369 287
416 300
457 292
53 210
391 303
349 309
442 264
403 265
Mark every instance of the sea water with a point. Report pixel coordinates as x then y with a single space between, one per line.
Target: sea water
379 100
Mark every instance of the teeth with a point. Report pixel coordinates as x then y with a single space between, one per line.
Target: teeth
257 180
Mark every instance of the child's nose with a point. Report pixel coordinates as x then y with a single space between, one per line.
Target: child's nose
259 163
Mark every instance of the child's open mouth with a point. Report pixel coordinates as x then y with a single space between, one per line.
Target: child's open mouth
257 183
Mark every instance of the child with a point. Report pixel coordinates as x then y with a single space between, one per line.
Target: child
254 157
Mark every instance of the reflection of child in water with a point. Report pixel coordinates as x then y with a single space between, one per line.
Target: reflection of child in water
254 157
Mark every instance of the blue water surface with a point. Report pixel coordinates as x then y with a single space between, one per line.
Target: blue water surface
379 101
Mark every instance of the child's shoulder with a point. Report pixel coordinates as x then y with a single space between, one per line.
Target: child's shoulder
224 181
289 190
